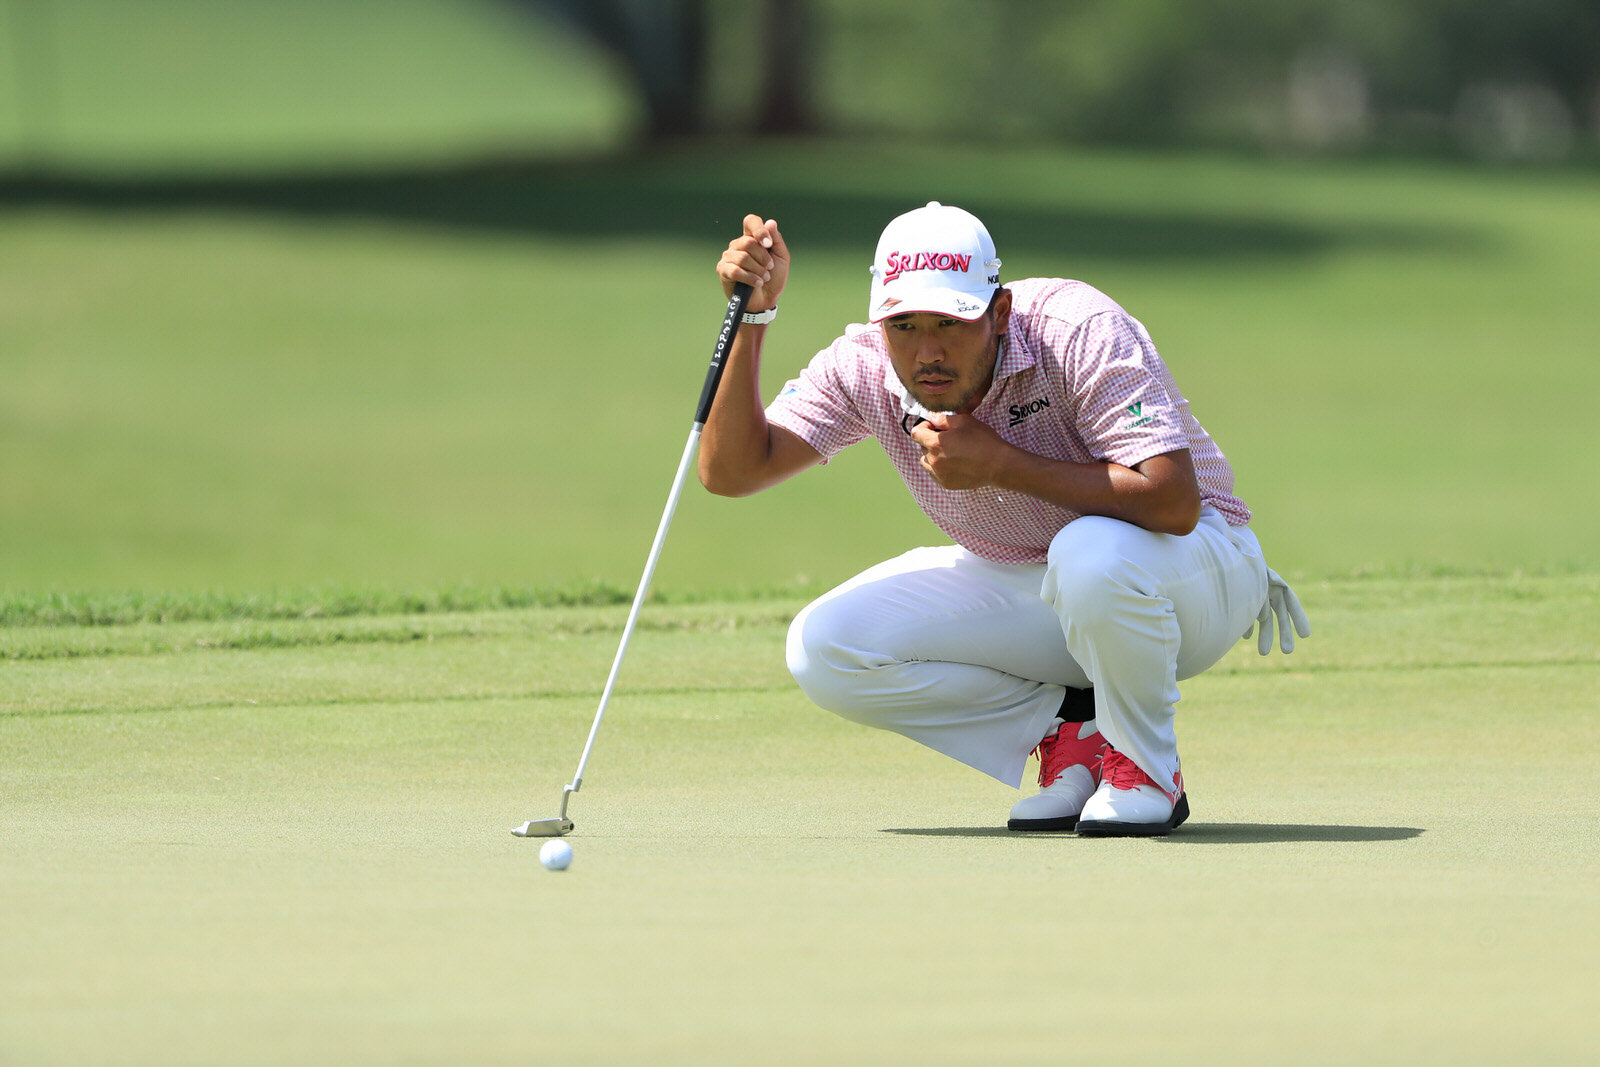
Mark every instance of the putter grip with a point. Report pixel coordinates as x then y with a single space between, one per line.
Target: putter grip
719 355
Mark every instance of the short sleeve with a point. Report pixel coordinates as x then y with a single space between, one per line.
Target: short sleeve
1125 413
817 408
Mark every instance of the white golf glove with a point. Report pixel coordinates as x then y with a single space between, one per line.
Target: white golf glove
1282 603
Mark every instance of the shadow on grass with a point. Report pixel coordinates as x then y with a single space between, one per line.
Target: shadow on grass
639 197
1216 833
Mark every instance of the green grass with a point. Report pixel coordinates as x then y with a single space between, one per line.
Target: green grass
90 609
327 461
280 84
297 851
483 377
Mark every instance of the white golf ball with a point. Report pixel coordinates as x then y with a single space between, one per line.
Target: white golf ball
555 855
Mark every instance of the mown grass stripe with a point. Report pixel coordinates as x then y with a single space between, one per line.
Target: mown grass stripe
391 700
1303 667
106 609
68 643
102 608
123 609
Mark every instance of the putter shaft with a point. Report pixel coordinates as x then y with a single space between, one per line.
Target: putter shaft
561 825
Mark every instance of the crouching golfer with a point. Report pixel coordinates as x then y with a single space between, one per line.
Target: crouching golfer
1100 553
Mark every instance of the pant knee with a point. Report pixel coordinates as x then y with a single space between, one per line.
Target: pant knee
1090 571
817 659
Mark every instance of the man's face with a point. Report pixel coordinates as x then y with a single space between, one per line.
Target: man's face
945 363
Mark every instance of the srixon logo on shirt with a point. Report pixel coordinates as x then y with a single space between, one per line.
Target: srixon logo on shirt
1032 407
898 263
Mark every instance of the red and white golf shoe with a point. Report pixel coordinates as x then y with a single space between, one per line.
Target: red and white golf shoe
1069 771
1130 804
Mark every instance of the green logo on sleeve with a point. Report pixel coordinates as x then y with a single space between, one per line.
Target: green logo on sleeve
1139 417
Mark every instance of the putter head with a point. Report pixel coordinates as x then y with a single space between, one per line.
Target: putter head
559 827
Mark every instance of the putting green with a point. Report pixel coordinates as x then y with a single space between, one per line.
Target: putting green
265 842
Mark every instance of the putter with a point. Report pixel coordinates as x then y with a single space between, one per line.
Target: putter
560 826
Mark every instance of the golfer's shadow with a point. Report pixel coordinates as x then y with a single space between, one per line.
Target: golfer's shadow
1205 833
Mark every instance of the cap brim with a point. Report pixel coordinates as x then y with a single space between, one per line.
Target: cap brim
968 307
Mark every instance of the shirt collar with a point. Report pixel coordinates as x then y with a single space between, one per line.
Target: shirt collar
1016 354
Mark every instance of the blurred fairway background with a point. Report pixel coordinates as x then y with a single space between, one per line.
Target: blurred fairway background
298 295
395 311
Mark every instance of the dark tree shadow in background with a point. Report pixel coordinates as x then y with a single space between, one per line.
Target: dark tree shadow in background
635 196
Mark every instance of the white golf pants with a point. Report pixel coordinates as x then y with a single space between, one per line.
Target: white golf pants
970 657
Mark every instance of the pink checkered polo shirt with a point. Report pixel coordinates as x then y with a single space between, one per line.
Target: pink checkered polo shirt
1078 379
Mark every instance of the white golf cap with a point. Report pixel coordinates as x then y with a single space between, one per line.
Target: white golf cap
936 258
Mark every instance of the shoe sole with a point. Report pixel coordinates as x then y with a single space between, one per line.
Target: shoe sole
1109 828
1068 822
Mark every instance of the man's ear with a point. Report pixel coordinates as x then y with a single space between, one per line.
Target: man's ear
1002 310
